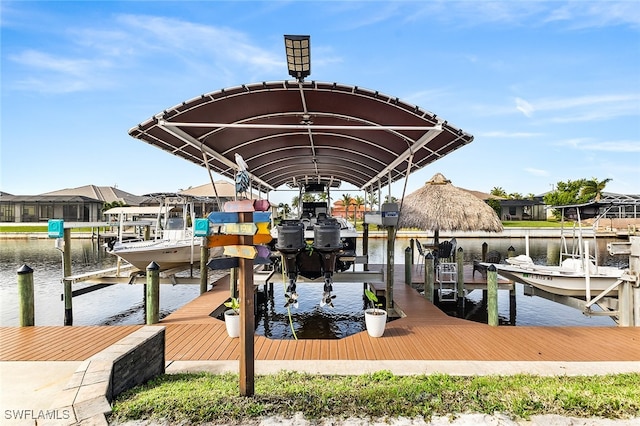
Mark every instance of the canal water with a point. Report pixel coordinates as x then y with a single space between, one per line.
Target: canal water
123 304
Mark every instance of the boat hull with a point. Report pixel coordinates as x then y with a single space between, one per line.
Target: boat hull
167 254
558 282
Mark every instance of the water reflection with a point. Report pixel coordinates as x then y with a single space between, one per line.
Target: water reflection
310 320
119 304
123 304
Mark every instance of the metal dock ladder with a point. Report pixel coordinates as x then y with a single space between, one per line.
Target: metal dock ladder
447 279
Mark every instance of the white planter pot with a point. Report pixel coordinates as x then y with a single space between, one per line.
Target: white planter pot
232 322
375 320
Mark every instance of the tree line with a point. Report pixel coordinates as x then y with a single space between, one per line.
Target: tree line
565 192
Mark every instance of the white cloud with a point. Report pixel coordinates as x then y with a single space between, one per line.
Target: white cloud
596 107
427 96
507 135
93 58
536 172
45 61
177 37
575 15
602 14
591 108
524 107
590 144
49 73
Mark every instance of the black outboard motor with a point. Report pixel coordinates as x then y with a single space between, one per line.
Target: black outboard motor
326 241
290 243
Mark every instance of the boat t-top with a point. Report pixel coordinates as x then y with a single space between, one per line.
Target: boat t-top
173 244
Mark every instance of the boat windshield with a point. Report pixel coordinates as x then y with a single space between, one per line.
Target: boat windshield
175 223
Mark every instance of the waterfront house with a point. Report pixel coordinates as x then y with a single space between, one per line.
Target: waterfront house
81 204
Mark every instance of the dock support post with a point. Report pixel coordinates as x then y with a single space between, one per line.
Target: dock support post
428 277
391 239
636 306
247 317
25 292
365 245
634 270
512 304
66 268
152 300
408 266
625 303
485 249
413 249
492 295
233 283
460 271
204 269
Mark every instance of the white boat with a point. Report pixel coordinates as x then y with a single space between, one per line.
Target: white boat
568 279
174 244
578 273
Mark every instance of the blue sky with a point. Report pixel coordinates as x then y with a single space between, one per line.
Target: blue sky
550 90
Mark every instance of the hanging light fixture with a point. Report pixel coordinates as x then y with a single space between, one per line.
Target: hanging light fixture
298 55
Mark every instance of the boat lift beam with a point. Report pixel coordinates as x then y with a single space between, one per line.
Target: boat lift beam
338 277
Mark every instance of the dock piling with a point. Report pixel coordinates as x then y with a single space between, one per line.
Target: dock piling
460 271
204 269
152 299
26 295
66 267
492 295
428 277
408 265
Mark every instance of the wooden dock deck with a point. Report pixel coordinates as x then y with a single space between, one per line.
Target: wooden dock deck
425 333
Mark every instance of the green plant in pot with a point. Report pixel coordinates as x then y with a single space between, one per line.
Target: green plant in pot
232 317
375 318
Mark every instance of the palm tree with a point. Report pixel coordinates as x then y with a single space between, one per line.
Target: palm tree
390 199
372 200
284 210
346 202
308 198
357 202
295 202
498 192
106 206
593 188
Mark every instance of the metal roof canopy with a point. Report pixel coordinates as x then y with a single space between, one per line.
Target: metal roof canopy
292 133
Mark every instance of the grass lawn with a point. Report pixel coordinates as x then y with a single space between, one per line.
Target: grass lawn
531 224
197 398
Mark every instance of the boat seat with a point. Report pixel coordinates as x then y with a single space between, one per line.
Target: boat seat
493 256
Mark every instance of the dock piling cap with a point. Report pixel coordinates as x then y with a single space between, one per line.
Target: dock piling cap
25 269
153 266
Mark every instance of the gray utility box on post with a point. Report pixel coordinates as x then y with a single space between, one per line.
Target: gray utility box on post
387 216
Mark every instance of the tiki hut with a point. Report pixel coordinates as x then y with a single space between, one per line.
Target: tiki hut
438 205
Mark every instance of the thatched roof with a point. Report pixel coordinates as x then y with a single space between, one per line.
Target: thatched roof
438 205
